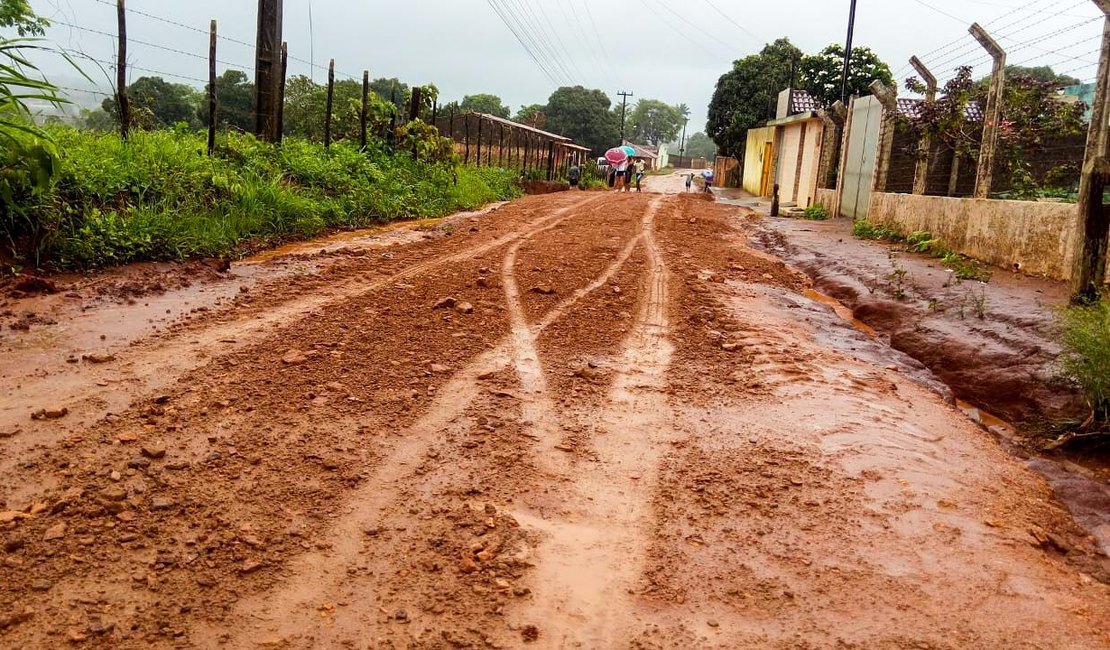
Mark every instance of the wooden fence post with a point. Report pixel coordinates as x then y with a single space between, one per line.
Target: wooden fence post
501 146
992 114
1093 220
925 146
331 102
466 134
362 116
212 90
478 158
122 103
415 105
266 62
551 160
279 127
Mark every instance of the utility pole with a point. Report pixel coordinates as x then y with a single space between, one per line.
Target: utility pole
267 68
848 53
122 102
624 109
682 147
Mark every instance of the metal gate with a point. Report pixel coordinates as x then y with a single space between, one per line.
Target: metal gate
863 149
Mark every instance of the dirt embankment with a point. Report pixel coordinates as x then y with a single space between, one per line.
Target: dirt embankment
995 344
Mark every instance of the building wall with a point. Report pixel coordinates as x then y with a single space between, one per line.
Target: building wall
789 155
758 139
811 161
826 199
1038 237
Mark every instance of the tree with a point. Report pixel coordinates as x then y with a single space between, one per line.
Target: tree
700 146
235 95
167 103
484 103
384 88
584 116
821 74
534 116
18 14
747 95
306 103
1039 73
654 122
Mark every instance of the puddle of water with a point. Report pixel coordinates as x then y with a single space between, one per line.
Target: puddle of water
841 310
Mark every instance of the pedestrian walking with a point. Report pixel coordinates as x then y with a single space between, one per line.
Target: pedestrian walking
619 173
574 175
640 168
689 182
629 170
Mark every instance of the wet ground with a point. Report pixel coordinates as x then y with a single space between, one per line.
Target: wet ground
582 420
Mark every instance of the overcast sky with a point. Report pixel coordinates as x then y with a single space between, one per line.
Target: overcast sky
673 50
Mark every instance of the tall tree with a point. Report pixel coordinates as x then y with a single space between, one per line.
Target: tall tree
236 101
654 122
534 115
1039 73
485 103
583 115
747 95
820 74
700 146
384 89
168 103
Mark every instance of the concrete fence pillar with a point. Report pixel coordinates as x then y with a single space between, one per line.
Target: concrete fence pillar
888 97
992 112
925 146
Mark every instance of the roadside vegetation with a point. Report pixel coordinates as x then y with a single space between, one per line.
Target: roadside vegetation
1086 336
964 267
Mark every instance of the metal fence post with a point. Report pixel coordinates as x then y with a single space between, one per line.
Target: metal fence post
925 146
992 114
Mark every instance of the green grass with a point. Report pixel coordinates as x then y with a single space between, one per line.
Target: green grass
158 197
964 267
1086 336
816 213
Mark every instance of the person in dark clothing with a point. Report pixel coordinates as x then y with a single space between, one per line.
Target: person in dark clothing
574 175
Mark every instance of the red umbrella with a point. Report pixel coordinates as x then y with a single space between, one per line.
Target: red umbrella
616 156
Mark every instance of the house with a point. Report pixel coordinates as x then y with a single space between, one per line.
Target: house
646 154
787 151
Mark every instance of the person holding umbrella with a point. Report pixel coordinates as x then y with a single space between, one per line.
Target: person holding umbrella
618 158
707 175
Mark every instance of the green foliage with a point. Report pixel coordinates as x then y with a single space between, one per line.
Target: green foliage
816 213
306 105
1086 335
1039 73
18 14
654 122
867 230
821 74
534 116
484 103
700 146
159 198
584 116
747 96
158 104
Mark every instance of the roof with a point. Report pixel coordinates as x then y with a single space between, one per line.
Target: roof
803 102
910 108
643 152
523 127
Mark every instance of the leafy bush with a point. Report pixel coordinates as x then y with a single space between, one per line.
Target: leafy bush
158 197
963 266
867 230
816 213
1086 335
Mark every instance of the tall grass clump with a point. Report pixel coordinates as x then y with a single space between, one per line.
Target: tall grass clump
159 197
1086 337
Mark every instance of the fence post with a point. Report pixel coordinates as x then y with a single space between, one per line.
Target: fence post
830 145
478 158
992 114
265 69
1093 220
122 103
415 103
889 99
925 146
365 108
501 146
331 102
466 135
551 160
212 90
280 126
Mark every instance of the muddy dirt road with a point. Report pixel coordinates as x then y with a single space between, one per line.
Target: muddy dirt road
580 421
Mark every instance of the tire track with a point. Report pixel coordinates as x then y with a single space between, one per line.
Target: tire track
293 609
591 560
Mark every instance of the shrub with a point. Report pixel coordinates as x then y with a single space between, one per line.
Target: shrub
1086 335
867 230
816 213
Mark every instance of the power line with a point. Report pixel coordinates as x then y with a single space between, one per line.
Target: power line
527 20
147 44
524 42
728 46
730 19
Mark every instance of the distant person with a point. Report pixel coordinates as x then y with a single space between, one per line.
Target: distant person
574 175
620 171
640 168
628 172
689 182
708 176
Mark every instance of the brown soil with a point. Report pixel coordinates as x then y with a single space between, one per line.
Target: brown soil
623 429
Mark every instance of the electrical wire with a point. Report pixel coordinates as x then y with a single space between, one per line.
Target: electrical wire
523 40
730 19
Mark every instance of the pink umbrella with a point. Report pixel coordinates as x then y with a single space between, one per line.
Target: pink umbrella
616 156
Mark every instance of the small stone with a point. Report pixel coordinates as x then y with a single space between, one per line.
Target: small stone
464 308
114 493
294 358
530 633
713 623
250 566
41 585
543 290
50 414
139 462
162 503
445 303
76 636
153 451
116 476
372 531
9 433
127 436
100 358
730 347
482 282
440 369
401 615
161 399
57 531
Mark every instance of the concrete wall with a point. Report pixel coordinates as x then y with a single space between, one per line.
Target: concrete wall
826 199
811 160
758 139
787 175
1039 237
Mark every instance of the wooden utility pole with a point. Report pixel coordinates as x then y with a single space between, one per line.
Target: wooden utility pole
330 105
888 97
624 110
925 146
362 115
551 160
280 127
122 103
848 52
417 103
1093 219
267 62
212 106
992 114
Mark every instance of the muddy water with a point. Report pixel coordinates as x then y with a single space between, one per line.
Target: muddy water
1086 497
